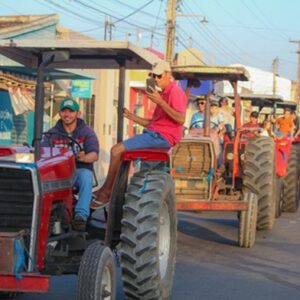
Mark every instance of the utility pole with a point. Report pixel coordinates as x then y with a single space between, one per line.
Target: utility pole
170 33
108 25
275 73
105 28
152 38
298 75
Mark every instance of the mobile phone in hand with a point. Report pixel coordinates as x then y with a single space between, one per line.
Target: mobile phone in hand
150 83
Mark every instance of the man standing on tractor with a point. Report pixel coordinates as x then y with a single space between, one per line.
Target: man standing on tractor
285 124
217 123
70 125
227 112
164 130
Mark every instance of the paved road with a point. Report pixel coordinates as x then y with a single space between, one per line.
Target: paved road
211 266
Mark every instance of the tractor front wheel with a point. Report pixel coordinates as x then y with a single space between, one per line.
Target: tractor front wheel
148 238
97 274
248 219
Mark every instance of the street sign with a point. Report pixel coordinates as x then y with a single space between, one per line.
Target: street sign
81 89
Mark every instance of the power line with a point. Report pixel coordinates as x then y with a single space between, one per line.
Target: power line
266 18
187 48
264 37
134 12
83 17
120 19
11 8
111 15
144 13
261 20
220 46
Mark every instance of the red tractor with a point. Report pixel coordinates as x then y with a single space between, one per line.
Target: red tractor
199 184
266 166
261 174
37 199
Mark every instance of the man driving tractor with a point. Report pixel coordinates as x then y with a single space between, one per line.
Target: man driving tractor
70 124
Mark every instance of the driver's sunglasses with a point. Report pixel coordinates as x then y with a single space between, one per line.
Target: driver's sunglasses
201 103
155 75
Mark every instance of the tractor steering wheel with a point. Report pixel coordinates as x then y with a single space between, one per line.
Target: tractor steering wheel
72 143
215 125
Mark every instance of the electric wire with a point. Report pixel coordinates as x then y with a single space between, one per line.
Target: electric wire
210 37
61 11
261 20
144 27
142 12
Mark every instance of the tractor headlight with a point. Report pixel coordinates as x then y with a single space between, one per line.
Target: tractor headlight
24 157
229 156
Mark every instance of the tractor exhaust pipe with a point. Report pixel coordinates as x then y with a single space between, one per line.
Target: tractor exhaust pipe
207 117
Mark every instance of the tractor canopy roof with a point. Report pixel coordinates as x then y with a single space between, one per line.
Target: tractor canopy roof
78 54
263 100
203 72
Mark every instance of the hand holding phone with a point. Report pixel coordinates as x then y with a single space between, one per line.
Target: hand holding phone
150 85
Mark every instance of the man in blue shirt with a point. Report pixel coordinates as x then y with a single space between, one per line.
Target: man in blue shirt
197 120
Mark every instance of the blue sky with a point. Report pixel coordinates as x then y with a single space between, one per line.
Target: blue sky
249 32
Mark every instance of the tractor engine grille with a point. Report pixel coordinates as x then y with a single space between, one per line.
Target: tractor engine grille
16 199
228 157
191 164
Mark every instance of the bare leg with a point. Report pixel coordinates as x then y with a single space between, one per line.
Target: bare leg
104 193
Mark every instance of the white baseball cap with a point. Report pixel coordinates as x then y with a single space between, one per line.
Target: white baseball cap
160 67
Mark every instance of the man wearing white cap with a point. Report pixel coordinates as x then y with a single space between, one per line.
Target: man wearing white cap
163 130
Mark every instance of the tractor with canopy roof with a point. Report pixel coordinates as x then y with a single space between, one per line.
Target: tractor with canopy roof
36 196
287 153
199 184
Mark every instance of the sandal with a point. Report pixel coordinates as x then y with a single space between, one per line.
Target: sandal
98 204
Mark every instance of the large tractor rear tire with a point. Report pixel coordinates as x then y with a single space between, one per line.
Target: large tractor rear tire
248 220
259 178
148 238
291 181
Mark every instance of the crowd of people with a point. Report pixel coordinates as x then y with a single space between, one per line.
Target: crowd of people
222 116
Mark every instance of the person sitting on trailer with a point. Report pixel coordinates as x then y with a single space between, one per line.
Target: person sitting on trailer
163 130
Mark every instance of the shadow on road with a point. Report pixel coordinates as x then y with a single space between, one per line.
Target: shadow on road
203 233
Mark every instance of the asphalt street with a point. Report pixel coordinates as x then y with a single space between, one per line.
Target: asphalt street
210 265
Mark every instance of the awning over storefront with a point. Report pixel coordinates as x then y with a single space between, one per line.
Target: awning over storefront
51 74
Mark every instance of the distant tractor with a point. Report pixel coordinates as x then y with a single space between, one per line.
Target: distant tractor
199 184
260 178
264 165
